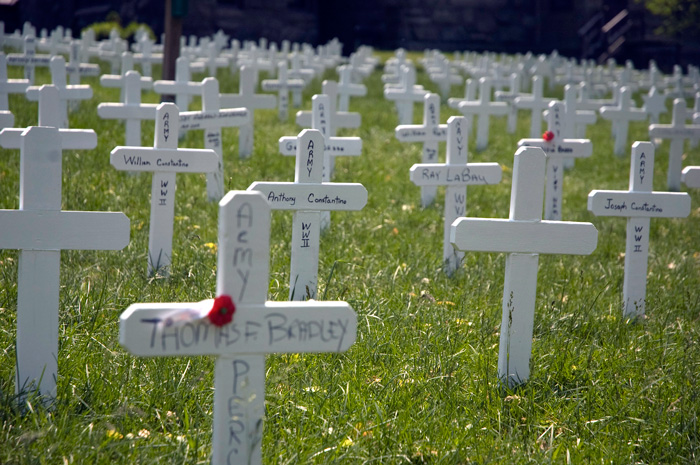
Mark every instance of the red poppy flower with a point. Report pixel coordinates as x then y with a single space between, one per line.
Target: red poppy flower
222 311
548 136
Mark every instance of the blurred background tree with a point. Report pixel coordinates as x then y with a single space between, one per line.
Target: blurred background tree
680 18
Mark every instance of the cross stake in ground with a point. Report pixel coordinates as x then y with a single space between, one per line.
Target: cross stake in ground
523 236
639 204
164 160
40 230
456 174
258 327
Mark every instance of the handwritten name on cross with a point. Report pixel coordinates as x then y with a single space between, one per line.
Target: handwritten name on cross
40 230
259 327
678 132
211 119
621 115
557 149
431 133
639 204
456 174
484 108
132 111
309 197
523 236
247 98
164 160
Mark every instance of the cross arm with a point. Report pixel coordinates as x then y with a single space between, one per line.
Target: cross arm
540 237
662 131
419 133
440 174
74 139
78 92
122 111
333 145
639 204
213 119
312 326
327 196
61 230
164 160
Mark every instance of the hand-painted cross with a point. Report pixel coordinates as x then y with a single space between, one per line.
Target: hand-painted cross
247 98
639 204
40 230
182 87
484 108
164 160
621 115
347 89
28 59
119 80
66 92
678 132
536 103
132 110
405 94
211 119
283 84
456 174
523 236
258 327
431 133
557 149
309 197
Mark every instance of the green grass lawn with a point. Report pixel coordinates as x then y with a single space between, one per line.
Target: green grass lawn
420 383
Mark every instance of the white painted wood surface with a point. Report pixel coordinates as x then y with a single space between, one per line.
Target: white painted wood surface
430 133
523 236
243 274
132 111
164 160
456 174
283 85
347 88
557 149
308 196
212 119
40 230
621 115
182 87
28 59
690 176
483 108
9 86
536 103
677 132
638 204
406 94
246 97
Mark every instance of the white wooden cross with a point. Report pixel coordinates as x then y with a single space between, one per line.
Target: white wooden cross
28 59
309 196
296 71
536 103
456 174
557 149
430 133
258 327
509 97
164 160
621 115
576 118
283 84
347 89
211 119
66 92
690 176
654 104
678 132
322 119
75 68
246 97
8 86
132 110
444 77
406 94
40 230
146 57
182 87
213 61
523 236
119 80
484 108
639 204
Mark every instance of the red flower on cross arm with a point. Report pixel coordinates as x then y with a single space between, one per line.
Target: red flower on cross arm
548 136
222 311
